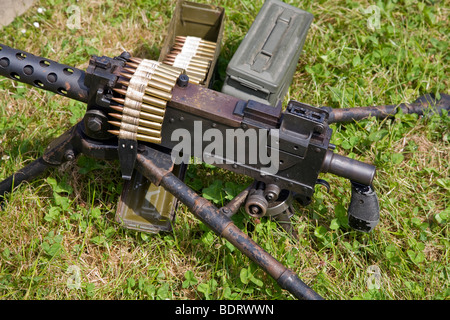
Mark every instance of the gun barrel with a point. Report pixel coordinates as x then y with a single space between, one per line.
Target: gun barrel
354 170
43 73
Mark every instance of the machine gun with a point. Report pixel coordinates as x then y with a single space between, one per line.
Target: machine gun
152 100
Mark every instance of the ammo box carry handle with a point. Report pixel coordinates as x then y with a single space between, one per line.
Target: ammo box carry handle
272 42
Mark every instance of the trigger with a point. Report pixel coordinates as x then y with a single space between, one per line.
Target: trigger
324 183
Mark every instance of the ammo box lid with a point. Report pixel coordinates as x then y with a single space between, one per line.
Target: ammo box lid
272 44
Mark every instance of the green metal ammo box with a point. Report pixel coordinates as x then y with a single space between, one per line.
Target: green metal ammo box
142 205
193 19
263 66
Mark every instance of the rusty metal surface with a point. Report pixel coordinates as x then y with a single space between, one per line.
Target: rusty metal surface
223 226
233 206
421 106
206 103
156 168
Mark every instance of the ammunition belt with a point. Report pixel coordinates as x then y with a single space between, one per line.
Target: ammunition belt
147 87
192 54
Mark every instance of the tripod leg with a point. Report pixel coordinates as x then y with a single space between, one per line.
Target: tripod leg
64 148
154 166
28 173
61 149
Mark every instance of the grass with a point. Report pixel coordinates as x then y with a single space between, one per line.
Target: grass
59 230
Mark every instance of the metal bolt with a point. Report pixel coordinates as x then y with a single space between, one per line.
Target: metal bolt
183 81
94 124
69 155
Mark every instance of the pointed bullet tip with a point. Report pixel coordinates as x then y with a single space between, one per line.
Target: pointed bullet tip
121 91
114 123
119 100
117 108
115 115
